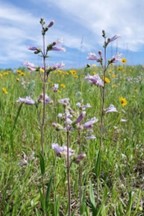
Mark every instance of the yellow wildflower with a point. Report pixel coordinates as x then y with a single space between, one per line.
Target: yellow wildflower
123 101
123 60
106 80
73 72
41 70
62 85
4 90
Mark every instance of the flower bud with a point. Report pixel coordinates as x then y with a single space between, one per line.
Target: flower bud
51 24
79 158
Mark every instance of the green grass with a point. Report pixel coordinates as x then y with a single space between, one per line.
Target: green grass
112 176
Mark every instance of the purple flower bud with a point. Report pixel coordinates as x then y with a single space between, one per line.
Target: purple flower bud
80 118
79 158
51 24
57 126
27 100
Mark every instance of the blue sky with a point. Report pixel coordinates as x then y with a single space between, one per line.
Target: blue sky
78 23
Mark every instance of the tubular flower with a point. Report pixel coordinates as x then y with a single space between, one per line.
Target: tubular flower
93 56
55 87
95 79
115 37
55 48
116 58
47 99
35 49
30 66
110 109
64 101
123 101
27 100
62 150
89 124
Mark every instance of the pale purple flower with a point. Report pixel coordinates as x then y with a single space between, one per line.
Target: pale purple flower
110 109
71 151
47 99
27 100
83 107
113 38
57 66
60 65
95 80
89 124
64 101
90 137
35 49
116 58
61 150
55 87
92 56
56 48
30 66
68 121
58 149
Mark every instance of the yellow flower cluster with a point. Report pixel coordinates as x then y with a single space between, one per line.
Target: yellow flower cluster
20 73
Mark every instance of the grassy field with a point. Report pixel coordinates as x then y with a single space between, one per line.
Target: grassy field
111 176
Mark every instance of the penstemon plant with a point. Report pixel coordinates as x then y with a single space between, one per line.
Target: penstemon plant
101 58
43 98
73 121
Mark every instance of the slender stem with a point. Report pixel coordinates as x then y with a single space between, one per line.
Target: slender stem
43 108
43 95
103 99
80 171
68 176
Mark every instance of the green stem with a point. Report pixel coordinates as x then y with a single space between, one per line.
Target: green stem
68 176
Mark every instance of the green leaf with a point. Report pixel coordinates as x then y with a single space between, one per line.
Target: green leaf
42 163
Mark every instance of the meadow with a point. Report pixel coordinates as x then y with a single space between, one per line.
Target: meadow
101 172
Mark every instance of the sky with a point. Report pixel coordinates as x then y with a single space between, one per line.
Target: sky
78 24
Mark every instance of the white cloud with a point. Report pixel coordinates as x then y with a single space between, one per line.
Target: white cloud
76 21
121 16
